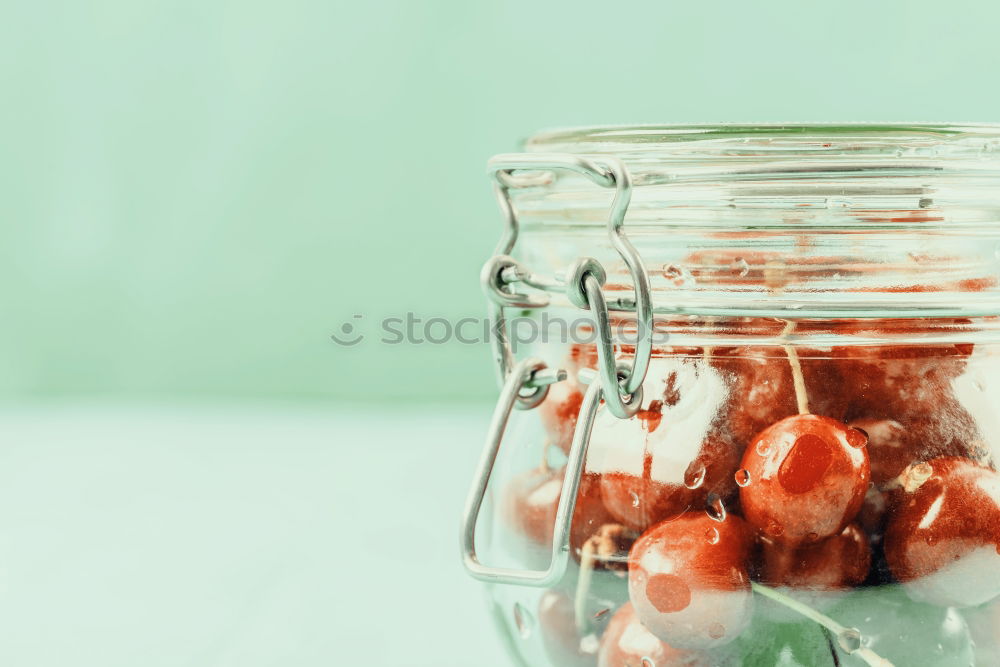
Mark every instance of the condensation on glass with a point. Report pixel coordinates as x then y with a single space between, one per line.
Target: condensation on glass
786 451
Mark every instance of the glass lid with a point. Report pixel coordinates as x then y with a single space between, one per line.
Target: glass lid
784 219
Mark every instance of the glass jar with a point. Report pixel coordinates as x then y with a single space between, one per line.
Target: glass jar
759 369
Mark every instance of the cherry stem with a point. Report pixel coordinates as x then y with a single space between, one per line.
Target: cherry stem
801 398
869 656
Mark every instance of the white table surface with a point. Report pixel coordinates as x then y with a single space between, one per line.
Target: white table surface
237 536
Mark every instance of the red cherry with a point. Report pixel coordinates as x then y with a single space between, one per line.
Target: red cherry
639 501
836 563
559 412
816 574
529 503
762 389
806 478
561 407
889 449
942 537
906 392
529 506
673 453
561 638
627 643
688 580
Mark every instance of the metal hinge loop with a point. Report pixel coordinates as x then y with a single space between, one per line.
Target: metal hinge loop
587 277
559 560
494 279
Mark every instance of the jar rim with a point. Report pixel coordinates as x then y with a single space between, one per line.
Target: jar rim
920 155
775 138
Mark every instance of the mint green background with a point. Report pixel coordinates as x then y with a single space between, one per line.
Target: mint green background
194 195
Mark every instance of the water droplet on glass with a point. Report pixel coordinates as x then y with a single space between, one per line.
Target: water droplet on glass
763 448
647 662
795 306
716 631
635 498
694 476
522 620
774 529
712 535
741 266
678 275
849 639
742 477
716 509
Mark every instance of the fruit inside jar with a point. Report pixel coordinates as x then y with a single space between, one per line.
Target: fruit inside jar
708 528
811 475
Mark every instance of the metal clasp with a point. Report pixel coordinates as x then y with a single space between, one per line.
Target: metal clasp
496 278
622 384
559 560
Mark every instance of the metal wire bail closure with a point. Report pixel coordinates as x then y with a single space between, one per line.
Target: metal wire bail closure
622 386
502 270
559 560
